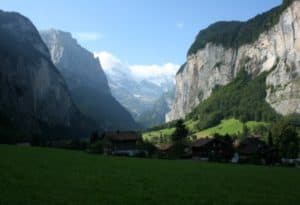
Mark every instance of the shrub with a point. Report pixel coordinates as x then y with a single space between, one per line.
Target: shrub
96 147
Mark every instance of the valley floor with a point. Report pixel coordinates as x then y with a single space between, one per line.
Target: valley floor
49 176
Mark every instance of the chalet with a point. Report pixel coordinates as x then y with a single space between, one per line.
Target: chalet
215 149
254 150
121 143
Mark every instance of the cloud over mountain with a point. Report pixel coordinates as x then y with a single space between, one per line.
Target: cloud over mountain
154 73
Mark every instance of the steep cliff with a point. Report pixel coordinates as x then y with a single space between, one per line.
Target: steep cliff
87 81
269 42
34 96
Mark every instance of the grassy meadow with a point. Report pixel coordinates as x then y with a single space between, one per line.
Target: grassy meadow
51 176
228 126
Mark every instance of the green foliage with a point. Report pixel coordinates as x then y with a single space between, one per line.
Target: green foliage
180 132
34 176
212 118
235 128
270 139
96 147
234 34
285 134
177 150
289 142
245 130
243 99
159 136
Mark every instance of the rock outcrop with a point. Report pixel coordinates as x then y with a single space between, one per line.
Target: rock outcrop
34 95
276 50
87 82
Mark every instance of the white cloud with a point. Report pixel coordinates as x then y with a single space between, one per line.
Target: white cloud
157 74
180 25
154 71
108 61
88 36
111 64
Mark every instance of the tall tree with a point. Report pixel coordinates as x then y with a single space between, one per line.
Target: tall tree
270 139
180 133
289 142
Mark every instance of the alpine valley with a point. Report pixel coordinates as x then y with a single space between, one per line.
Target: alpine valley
52 86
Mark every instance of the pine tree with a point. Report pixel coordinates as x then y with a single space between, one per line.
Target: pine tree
180 132
270 139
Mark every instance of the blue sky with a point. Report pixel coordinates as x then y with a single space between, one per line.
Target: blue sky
136 31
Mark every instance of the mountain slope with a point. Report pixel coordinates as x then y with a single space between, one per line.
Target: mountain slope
269 43
87 82
242 99
34 96
156 114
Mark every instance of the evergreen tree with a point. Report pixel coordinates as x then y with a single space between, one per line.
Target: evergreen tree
245 130
289 142
270 139
180 133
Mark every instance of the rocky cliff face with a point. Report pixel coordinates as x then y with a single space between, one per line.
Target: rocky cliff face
76 64
87 81
277 50
33 92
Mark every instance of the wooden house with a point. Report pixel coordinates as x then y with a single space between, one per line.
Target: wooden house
214 149
254 150
121 143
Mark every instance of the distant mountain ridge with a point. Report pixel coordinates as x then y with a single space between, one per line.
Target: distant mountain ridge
87 82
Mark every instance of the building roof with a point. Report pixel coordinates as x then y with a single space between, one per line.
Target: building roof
251 145
122 136
202 142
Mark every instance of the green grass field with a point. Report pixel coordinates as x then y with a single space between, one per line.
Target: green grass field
164 132
229 126
49 176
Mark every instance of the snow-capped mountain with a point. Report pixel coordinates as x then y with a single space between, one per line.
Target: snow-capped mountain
137 87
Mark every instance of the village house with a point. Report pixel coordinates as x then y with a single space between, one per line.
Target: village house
214 148
121 143
254 150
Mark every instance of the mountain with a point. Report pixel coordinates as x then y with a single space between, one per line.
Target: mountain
34 96
266 47
87 82
137 94
156 114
